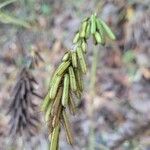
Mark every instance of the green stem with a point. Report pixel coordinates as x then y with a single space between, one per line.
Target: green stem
92 94
93 71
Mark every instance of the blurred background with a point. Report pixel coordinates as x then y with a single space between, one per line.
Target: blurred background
115 106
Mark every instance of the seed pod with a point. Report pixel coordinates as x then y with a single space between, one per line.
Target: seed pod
67 128
79 80
45 103
48 112
87 32
93 24
76 38
108 31
94 40
83 29
81 60
56 118
83 46
62 67
50 126
74 59
66 56
57 101
97 37
55 138
52 80
54 88
101 31
65 91
72 106
72 79
86 19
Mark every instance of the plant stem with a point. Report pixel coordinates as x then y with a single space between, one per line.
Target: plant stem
93 71
92 94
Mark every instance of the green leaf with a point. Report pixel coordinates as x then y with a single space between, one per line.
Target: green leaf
8 19
3 4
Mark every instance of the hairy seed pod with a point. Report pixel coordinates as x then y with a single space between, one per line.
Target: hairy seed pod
74 59
57 101
66 56
62 67
93 24
78 76
97 37
101 31
76 38
108 31
72 106
72 79
56 118
65 91
87 32
81 60
83 46
48 112
55 138
54 88
45 103
67 128
83 29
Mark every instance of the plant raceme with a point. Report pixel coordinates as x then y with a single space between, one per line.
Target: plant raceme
67 83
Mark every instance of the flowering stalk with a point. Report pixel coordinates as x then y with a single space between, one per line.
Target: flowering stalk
23 107
67 82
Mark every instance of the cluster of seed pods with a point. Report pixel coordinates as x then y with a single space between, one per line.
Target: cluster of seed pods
66 83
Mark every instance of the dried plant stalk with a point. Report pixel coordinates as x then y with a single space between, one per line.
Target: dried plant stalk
22 109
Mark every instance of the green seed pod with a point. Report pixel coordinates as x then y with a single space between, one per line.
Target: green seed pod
62 67
78 76
54 88
76 38
66 56
86 19
97 37
108 31
87 32
72 106
57 101
74 59
93 24
48 112
83 46
45 103
81 60
55 138
52 80
72 79
67 128
83 29
94 40
101 31
65 91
